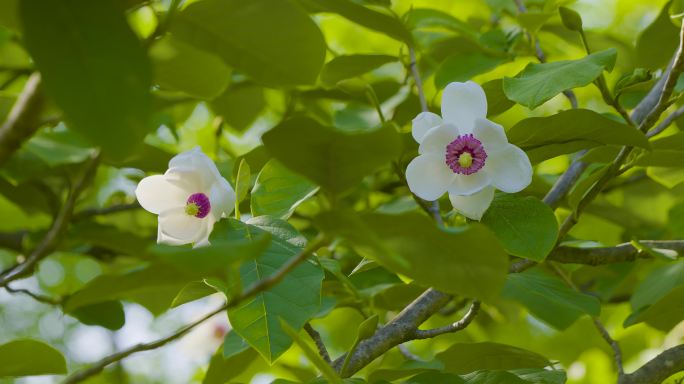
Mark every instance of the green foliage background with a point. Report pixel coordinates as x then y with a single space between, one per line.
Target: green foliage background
306 107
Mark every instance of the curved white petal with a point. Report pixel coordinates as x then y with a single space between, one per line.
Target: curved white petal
162 238
509 169
462 103
437 139
468 184
157 194
177 224
196 161
475 205
422 123
491 134
203 237
428 176
222 198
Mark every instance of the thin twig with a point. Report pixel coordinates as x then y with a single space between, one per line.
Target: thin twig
432 207
90 212
316 337
23 120
453 327
59 225
254 289
35 296
408 354
617 352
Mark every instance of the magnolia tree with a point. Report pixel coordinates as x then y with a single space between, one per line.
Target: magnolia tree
350 191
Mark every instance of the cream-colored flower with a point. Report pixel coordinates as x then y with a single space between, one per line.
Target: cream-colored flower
189 198
464 154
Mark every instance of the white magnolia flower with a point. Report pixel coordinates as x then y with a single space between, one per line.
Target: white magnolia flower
465 154
189 198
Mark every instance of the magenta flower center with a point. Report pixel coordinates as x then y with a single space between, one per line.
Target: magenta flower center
465 155
198 205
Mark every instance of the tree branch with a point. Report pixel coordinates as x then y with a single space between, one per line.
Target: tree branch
610 255
256 288
453 327
59 225
666 122
90 212
23 120
397 331
657 369
316 337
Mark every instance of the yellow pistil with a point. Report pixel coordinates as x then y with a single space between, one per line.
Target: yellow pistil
465 160
192 209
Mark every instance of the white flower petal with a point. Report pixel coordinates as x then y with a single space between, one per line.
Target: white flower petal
166 239
437 139
196 161
491 134
468 184
428 176
423 123
509 169
203 237
179 225
157 194
475 205
222 198
462 103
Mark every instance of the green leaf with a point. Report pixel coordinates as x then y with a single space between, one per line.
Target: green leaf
663 314
30 358
462 67
57 147
348 66
278 191
181 67
333 159
571 19
569 131
366 329
462 358
381 22
194 290
493 377
156 285
525 226
467 261
549 299
312 355
242 182
434 377
296 299
224 369
534 20
638 76
407 368
541 376
657 285
655 44
108 314
433 18
240 105
497 102
538 83
580 189
241 33
94 68
234 344
665 152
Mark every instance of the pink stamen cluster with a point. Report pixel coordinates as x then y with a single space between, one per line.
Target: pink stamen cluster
465 143
201 201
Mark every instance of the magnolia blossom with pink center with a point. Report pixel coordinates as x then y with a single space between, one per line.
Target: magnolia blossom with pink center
464 154
189 198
